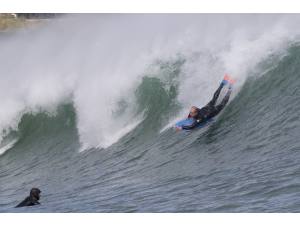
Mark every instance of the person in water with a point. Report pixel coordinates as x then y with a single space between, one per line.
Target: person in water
32 199
211 109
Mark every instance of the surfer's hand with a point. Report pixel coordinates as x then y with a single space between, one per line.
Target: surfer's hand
178 128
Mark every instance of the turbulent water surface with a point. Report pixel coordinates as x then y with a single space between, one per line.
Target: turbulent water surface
88 105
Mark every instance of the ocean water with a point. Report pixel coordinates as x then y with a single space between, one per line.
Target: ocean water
88 104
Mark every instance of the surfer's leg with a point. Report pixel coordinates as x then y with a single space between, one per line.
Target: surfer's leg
223 103
216 95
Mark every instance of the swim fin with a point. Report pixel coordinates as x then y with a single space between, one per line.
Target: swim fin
228 80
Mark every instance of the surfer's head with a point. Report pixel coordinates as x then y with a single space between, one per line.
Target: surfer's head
193 112
35 193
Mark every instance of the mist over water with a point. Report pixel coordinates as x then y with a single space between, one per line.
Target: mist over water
103 90
96 60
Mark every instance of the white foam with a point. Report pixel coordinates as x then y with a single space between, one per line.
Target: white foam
96 60
7 146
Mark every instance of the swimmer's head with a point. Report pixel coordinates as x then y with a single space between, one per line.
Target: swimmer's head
35 193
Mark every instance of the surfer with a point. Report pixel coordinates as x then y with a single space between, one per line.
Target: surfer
32 199
209 111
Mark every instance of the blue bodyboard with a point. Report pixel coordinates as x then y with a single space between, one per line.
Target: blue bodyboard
190 121
185 122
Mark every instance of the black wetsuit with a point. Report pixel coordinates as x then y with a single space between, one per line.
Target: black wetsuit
210 110
32 199
29 201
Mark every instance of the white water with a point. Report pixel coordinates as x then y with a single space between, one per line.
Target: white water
6 146
96 60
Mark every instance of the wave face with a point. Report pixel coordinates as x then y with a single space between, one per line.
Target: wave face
88 104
